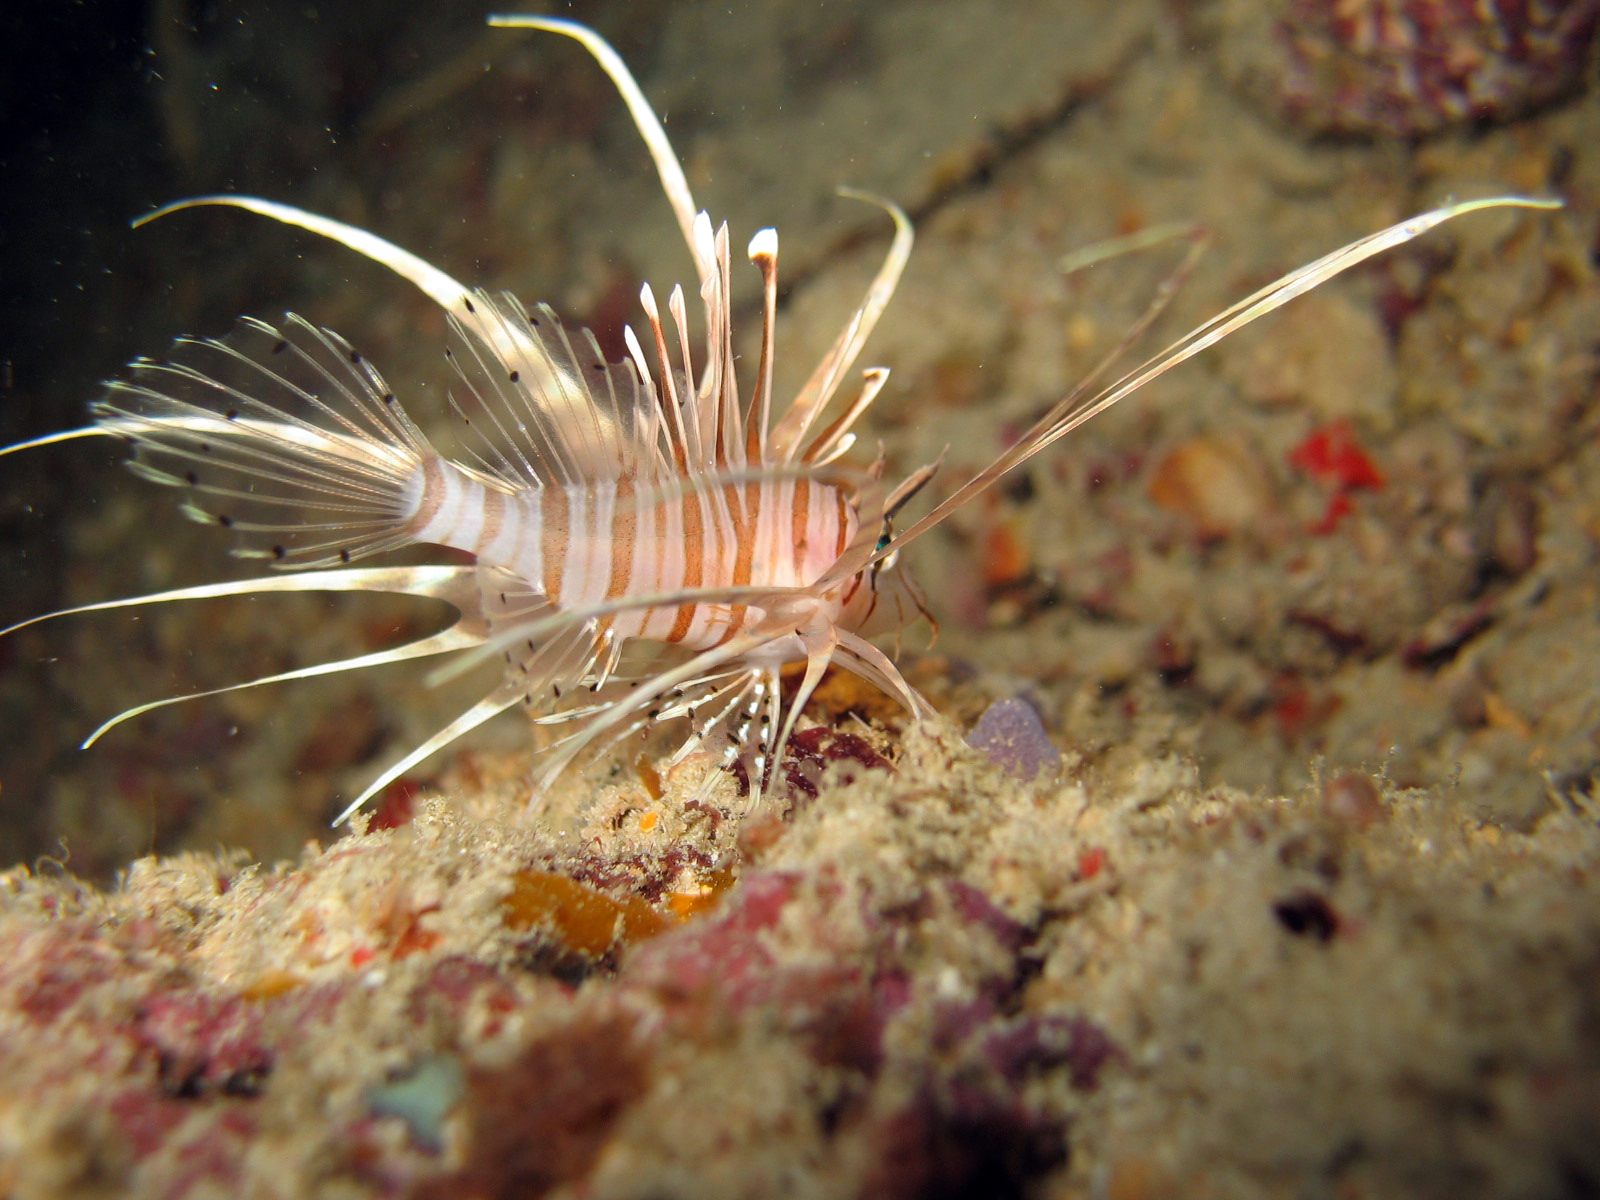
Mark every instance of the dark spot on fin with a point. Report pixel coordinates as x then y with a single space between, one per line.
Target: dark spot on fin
279 553
516 375
225 520
280 347
467 300
232 414
344 556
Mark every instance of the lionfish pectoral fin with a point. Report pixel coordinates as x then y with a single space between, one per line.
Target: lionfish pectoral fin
913 483
561 620
50 439
673 180
456 586
434 283
449 293
1095 253
627 708
860 657
821 643
443 642
489 707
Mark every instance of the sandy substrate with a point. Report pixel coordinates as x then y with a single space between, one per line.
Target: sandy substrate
938 981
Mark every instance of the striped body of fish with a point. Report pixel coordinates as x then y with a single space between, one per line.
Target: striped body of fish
649 545
586 544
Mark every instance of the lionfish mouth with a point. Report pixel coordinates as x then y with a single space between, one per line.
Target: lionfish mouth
612 509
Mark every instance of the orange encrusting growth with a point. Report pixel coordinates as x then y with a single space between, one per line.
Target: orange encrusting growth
585 919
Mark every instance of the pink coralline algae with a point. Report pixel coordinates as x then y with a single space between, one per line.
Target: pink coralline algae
1408 68
964 1119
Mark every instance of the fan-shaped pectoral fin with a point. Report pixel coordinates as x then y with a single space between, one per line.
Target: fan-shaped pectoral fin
705 663
673 180
456 586
434 283
1082 403
50 439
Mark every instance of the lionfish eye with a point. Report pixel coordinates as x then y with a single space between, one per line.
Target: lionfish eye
884 539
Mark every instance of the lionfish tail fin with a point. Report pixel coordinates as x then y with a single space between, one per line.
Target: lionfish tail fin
288 437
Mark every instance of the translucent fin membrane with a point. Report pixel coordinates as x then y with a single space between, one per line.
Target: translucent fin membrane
550 409
289 438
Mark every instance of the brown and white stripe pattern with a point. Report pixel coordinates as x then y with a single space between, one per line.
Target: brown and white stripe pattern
602 543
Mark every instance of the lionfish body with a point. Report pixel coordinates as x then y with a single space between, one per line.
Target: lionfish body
648 545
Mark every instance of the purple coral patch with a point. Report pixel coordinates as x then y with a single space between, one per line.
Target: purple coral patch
1034 1043
1411 68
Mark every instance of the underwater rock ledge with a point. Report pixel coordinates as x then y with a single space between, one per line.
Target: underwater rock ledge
929 981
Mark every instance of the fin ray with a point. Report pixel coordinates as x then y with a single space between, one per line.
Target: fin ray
267 420
563 413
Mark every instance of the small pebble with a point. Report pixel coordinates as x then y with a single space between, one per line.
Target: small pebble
1011 735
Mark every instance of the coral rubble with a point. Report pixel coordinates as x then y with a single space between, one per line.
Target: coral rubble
934 980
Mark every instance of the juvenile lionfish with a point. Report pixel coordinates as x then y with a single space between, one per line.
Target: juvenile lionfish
648 546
